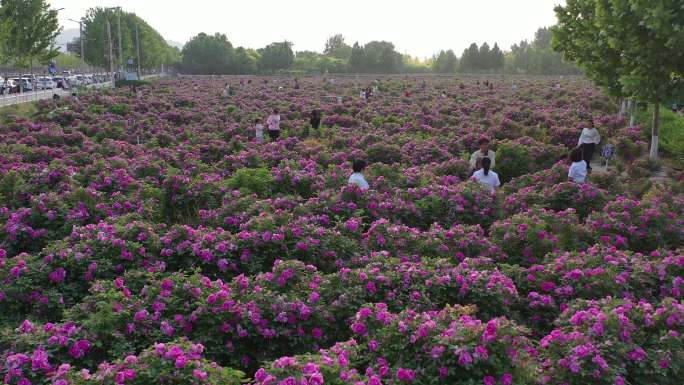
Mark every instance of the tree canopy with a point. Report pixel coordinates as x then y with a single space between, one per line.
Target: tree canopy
632 48
154 50
28 29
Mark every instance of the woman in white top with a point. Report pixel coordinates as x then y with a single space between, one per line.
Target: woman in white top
486 176
357 178
588 141
578 168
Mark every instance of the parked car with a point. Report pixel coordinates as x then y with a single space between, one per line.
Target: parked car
24 83
46 83
9 87
74 81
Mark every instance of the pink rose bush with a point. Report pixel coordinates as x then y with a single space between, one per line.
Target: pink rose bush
615 341
150 238
449 346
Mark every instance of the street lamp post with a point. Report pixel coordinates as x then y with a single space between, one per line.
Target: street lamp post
80 27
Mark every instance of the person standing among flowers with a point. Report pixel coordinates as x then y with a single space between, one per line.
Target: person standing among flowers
588 141
487 177
273 123
578 169
357 177
483 152
259 130
315 119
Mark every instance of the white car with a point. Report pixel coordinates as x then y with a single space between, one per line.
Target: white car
89 79
46 83
25 84
74 81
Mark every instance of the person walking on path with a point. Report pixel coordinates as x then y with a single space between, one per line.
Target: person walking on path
273 123
588 141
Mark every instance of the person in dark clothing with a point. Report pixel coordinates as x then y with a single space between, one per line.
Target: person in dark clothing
315 119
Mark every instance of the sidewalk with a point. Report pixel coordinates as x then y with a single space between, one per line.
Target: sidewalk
27 97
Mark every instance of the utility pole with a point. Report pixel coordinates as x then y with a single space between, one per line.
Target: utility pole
137 48
80 25
120 45
111 61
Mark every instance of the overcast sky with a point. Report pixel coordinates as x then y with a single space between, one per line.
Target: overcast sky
417 27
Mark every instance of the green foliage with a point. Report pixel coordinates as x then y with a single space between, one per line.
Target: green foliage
313 62
256 180
31 29
538 57
337 48
445 62
671 129
629 47
276 56
209 55
519 160
155 49
384 153
130 83
66 61
483 58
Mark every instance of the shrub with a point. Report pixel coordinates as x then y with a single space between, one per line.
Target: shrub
641 225
615 341
518 160
415 347
383 153
528 236
252 180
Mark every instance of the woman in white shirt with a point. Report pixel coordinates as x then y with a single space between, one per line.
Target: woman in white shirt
357 178
578 168
588 141
486 176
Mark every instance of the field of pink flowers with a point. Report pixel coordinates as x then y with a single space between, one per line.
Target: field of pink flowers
147 238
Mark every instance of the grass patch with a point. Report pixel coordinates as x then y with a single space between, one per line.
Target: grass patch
22 110
671 129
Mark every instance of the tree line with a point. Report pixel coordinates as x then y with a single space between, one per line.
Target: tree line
154 50
214 54
28 29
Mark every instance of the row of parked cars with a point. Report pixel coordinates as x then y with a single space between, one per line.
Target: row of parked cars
28 83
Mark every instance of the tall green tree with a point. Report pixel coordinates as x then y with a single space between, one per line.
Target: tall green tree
246 60
497 59
470 59
154 50
357 59
276 56
445 62
209 55
484 60
630 47
336 47
381 57
31 29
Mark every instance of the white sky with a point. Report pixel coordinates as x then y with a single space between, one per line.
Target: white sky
417 27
